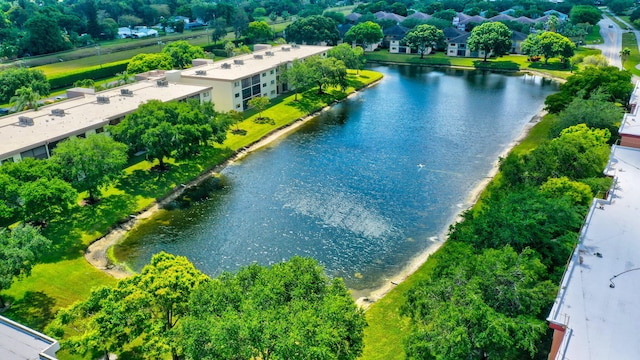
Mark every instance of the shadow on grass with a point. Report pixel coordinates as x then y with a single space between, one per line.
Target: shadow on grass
496 65
540 65
34 310
310 101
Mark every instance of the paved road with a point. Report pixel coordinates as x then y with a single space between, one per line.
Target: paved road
612 35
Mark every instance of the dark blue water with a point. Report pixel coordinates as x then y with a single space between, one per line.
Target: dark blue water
363 188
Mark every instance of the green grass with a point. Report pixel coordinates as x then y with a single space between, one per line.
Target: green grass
629 41
64 276
384 337
594 36
505 63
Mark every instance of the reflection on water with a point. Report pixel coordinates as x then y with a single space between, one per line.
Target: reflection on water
363 188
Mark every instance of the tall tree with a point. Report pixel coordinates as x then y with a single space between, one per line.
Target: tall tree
585 14
20 250
424 37
366 33
327 72
289 311
219 29
91 163
46 199
172 129
13 79
182 53
492 38
258 31
239 22
624 55
260 103
313 30
352 57
297 75
44 36
146 62
548 44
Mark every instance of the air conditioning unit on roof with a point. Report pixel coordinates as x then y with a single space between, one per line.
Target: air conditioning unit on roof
102 99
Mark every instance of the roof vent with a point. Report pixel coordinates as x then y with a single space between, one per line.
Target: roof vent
286 48
260 57
57 112
102 99
226 66
24 121
238 62
126 92
295 46
162 82
269 53
201 72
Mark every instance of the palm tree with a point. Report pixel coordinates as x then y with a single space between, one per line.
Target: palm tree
624 55
123 78
25 97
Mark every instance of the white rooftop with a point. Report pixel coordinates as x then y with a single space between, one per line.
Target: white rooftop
18 342
258 61
599 297
631 121
82 113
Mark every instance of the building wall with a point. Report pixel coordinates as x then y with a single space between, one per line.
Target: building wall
630 141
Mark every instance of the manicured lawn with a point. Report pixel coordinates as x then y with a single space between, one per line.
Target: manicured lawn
384 338
629 41
594 36
65 277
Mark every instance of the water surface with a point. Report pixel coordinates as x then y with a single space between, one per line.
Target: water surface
363 188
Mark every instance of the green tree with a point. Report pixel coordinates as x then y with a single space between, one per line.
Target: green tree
92 163
44 36
147 62
219 29
182 53
492 38
366 33
172 129
624 55
576 192
298 76
548 44
289 311
501 293
25 98
619 6
595 112
20 250
46 199
239 22
424 38
313 30
259 103
9 200
585 14
327 72
352 57
13 79
258 31
149 306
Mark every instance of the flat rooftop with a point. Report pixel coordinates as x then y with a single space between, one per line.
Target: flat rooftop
241 66
18 342
598 301
82 113
631 121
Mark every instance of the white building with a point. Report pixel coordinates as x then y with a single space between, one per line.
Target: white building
18 342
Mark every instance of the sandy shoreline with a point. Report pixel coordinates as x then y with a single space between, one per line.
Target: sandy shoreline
377 293
97 252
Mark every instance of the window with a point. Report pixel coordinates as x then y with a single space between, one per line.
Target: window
256 89
82 136
38 153
255 79
264 74
264 85
273 92
273 82
8 160
271 72
99 130
246 93
236 84
246 83
237 106
237 95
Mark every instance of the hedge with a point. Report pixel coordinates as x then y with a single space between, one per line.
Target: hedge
107 70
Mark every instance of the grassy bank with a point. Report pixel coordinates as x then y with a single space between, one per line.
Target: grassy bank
64 276
629 41
384 338
509 63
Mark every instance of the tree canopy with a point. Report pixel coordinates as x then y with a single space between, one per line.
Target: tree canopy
313 30
20 250
548 44
352 57
327 72
585 14
13 79
147 62
365 33
291 310
258 31
171 129
182 53
492 38
423 38
91 163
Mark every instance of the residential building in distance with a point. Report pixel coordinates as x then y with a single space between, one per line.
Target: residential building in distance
36 133
236 80
596 312
18 342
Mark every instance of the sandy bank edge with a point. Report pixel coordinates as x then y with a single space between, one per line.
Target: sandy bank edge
96 252
419 260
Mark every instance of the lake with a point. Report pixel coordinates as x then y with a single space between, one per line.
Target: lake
362 188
